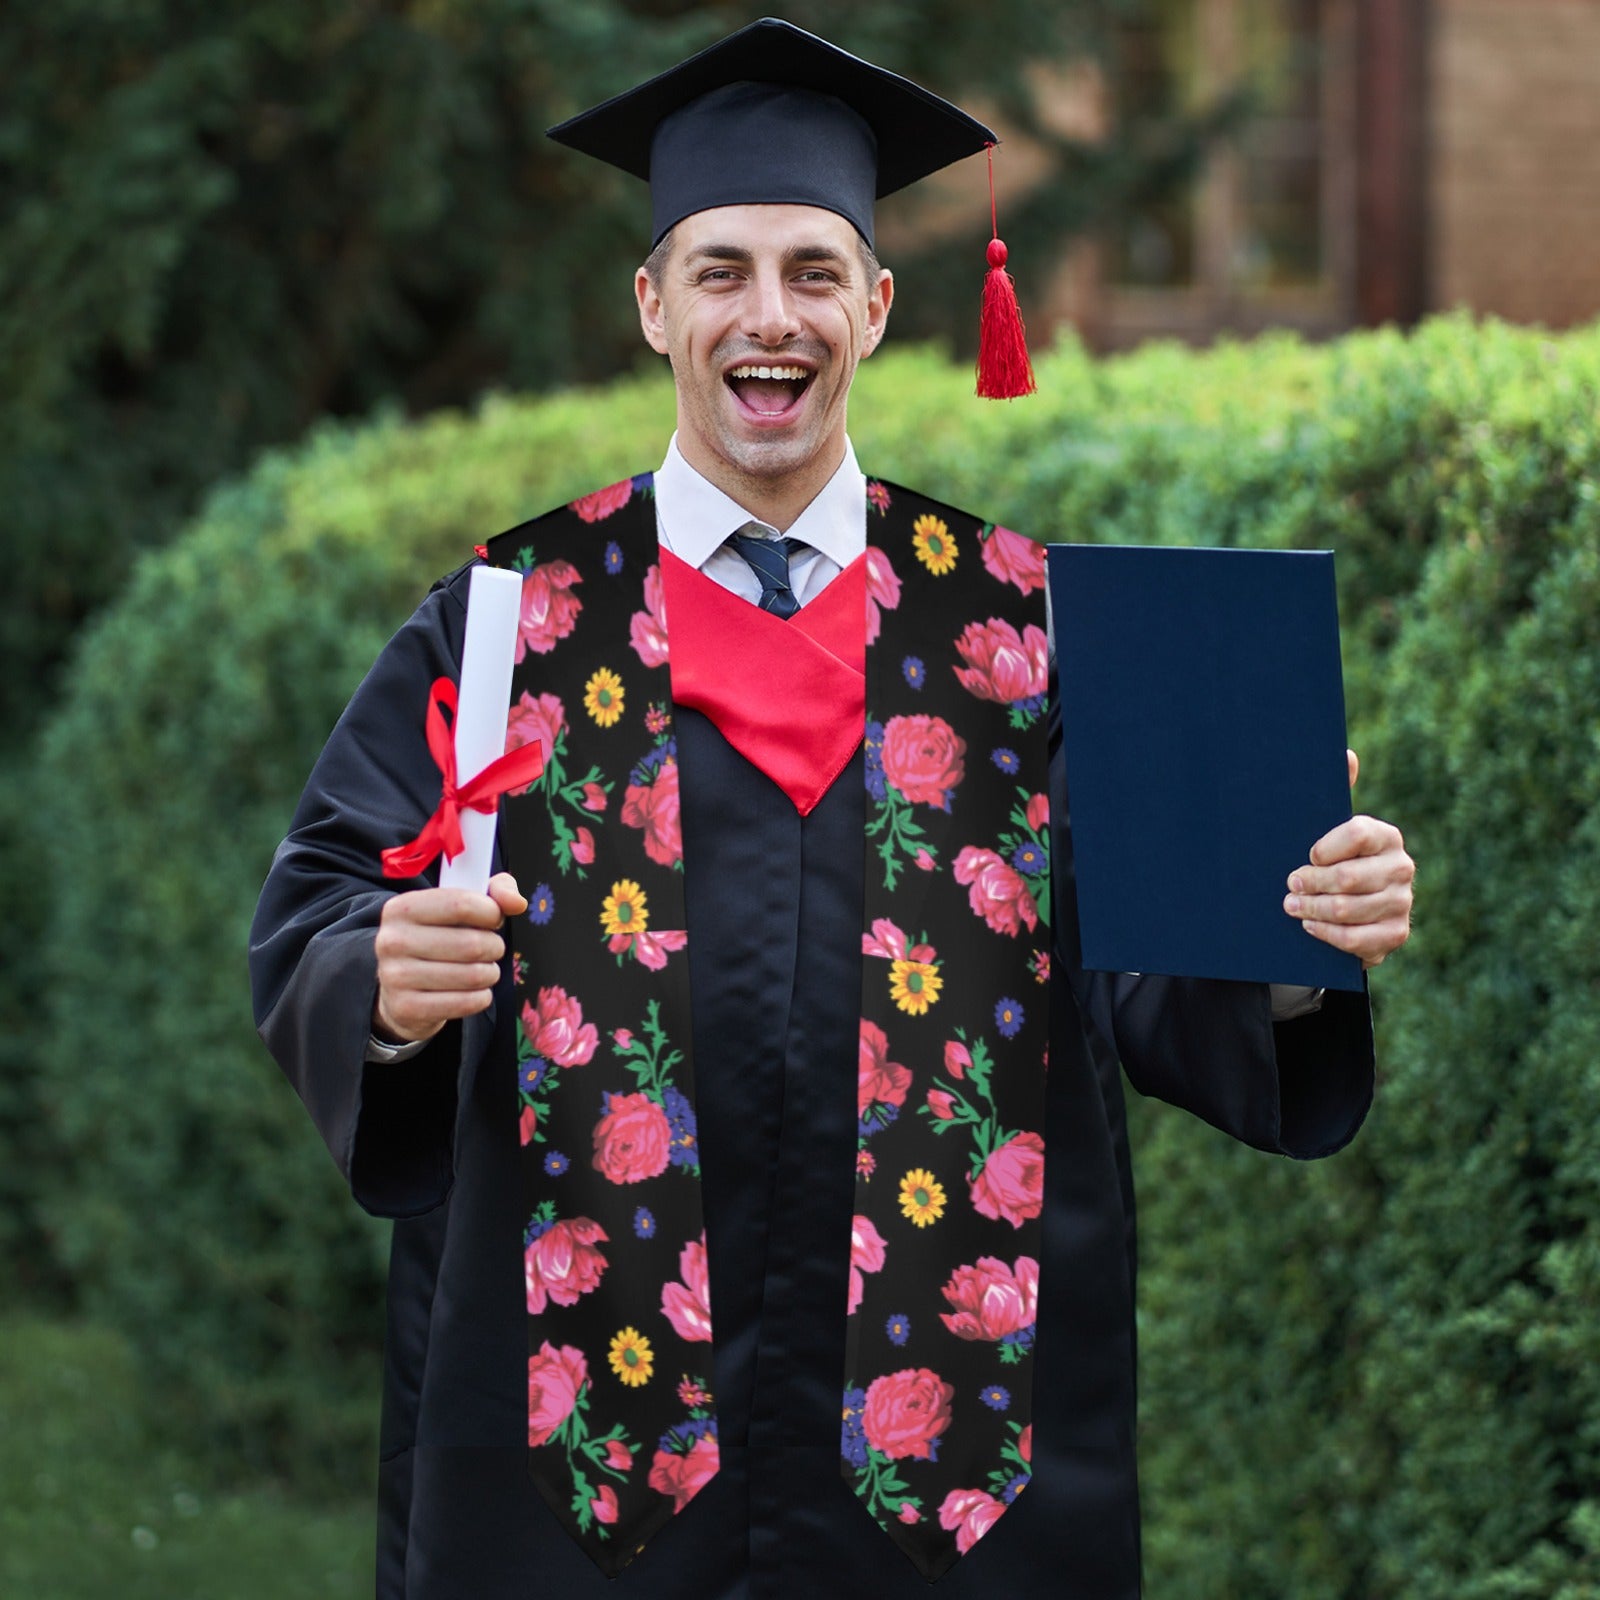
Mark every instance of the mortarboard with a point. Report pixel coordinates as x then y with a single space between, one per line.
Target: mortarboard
774 115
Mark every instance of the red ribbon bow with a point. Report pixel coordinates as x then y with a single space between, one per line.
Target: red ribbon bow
442 831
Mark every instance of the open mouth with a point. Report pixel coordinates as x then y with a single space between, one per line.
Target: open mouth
769 391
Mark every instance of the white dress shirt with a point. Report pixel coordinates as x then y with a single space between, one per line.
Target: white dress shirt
695 518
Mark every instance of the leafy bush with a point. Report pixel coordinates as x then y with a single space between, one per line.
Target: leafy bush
95 1499
192 1207
1374 1377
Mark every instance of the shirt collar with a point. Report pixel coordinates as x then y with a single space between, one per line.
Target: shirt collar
696 517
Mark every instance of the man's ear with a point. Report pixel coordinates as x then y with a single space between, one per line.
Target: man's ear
652 315
878 303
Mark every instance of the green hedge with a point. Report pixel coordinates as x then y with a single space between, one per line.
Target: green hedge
1374 1377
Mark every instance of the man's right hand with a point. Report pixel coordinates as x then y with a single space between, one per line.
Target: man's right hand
439 954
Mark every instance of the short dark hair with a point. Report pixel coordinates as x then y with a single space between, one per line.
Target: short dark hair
656 262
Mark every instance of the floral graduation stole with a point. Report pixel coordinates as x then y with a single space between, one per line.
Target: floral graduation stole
944 1272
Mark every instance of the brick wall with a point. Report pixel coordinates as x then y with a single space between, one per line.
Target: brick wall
1514 158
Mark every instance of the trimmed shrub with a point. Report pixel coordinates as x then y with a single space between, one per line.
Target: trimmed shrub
1372 1377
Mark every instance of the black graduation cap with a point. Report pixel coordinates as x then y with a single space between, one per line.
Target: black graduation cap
774 115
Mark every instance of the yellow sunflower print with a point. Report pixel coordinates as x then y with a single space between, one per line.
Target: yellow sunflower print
934 544
921 1197
602 697
624 910
914 985
631 1358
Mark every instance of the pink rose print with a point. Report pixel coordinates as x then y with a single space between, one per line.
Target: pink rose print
563 1263
1038 813
652 947
633 1140
883 589
941 1104
969 1514
604 1504
923 757
991 1299
654 807
1011 1185
555 1380
594 797
556 1029
1001 666
1025 1444
618 1456
535 721
923 861
549 608
528 1124
877 1077
957 1058
687 1305
891 943
908 1512
866 1255
648 628
1013 559
906 1412
583 847
684 1476
998 892
603 503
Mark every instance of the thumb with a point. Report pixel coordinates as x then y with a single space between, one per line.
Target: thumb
504 892
1354 762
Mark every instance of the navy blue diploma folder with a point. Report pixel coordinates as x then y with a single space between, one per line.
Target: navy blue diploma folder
1202 711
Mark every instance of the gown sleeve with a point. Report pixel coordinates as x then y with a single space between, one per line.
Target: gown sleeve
390 1127
1300 1088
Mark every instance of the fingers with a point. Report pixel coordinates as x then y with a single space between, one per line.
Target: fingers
405 1016
1356 893
1372 905
1372 942
456 908
468 966
1360 836
439 957
1354 763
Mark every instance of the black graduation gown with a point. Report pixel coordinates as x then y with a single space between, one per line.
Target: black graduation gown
433 1143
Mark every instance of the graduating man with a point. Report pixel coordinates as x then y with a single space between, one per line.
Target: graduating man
735 1210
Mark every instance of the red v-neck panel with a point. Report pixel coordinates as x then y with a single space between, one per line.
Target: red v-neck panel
790 696
837 619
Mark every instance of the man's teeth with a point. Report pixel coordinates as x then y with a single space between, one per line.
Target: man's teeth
797 374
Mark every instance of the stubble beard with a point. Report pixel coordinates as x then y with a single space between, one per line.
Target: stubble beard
763 459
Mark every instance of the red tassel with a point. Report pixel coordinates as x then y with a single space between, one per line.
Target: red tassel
1004 370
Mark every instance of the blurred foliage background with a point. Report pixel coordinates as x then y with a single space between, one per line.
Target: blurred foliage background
259 268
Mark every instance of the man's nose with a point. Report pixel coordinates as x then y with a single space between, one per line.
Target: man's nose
772 318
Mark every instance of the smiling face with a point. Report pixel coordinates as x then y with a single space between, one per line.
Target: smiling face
764 311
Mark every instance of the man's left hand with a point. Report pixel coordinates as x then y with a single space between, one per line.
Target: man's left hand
1355 893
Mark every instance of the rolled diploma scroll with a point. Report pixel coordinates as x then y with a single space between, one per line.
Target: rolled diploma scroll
494 608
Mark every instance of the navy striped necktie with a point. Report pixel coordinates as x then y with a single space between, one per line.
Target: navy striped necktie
769 560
